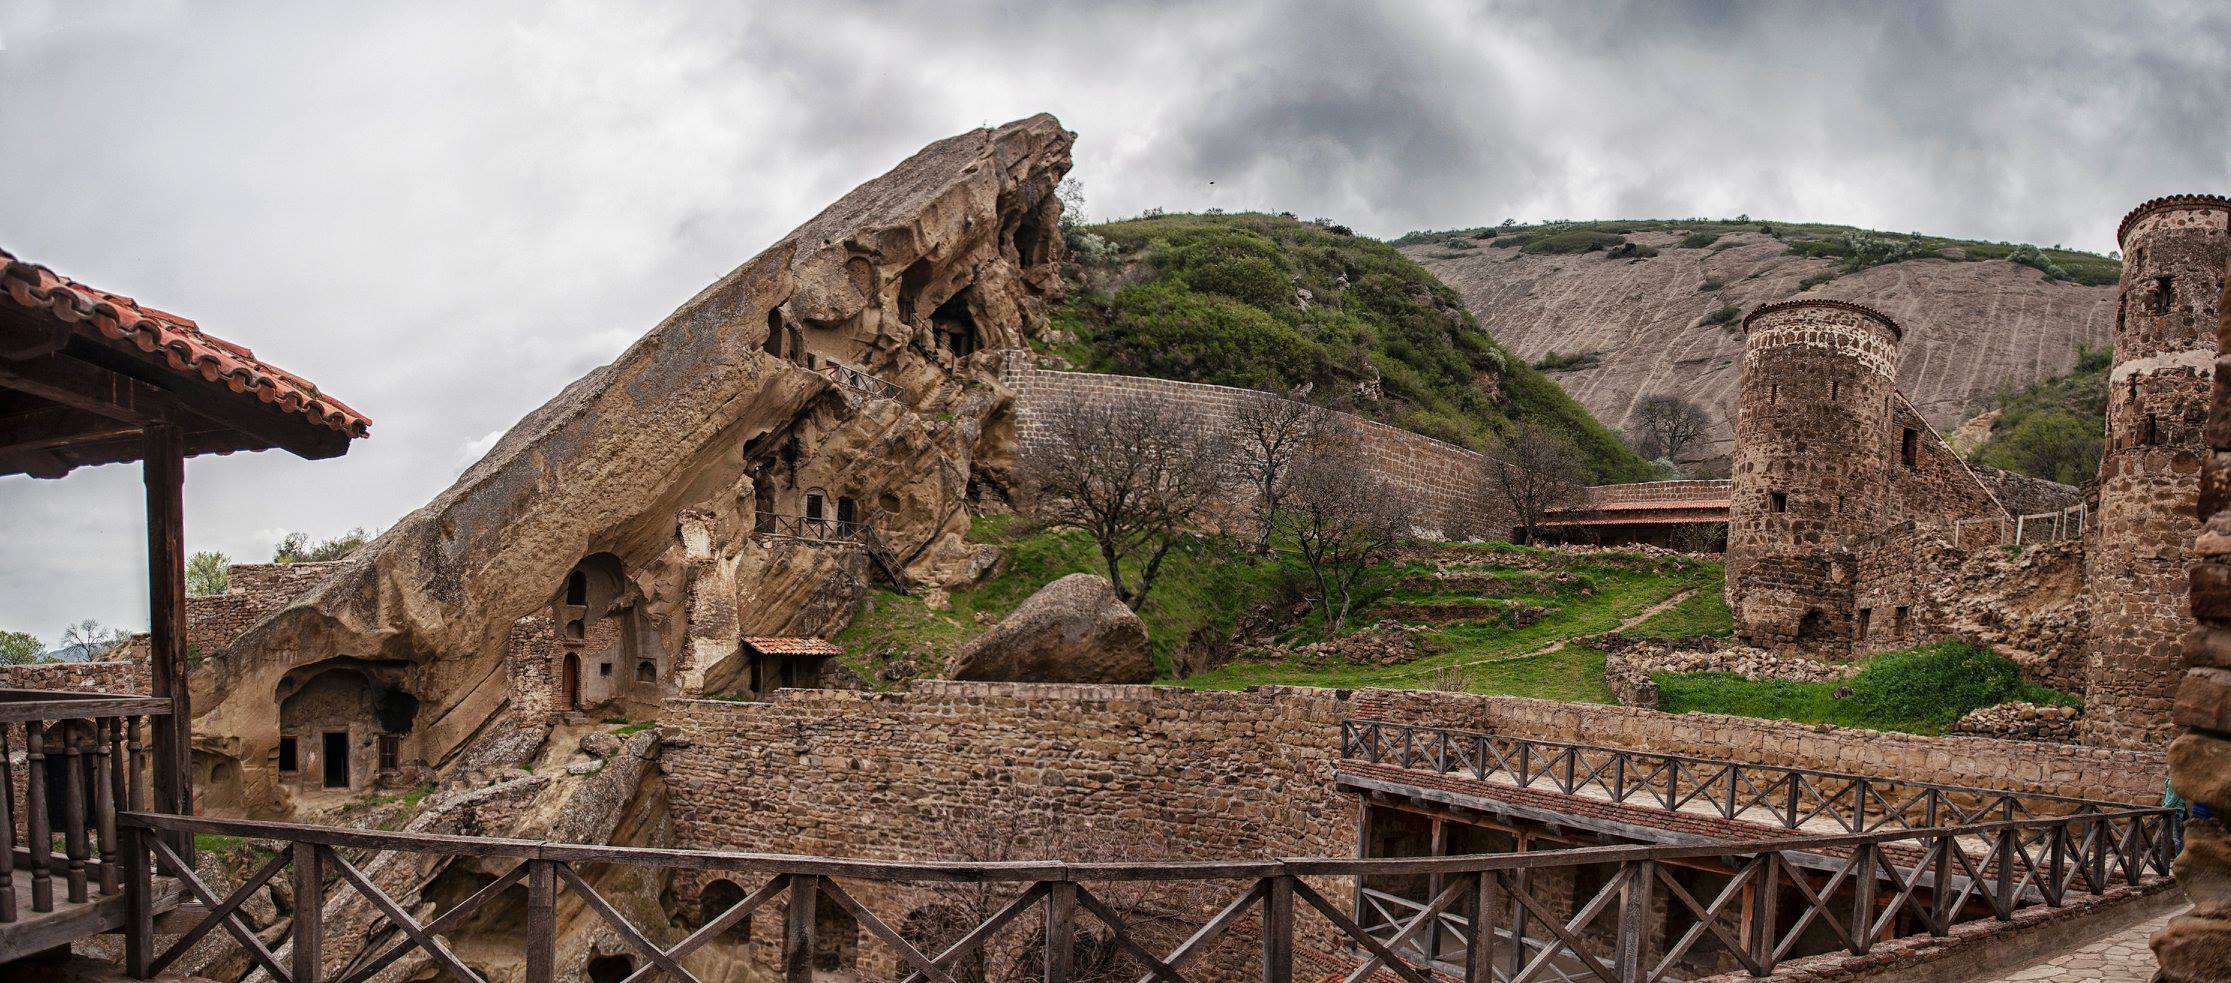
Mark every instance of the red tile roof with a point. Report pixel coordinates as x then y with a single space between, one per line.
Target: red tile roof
184 348
793 646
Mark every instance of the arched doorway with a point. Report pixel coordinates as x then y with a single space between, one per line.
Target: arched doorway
569 683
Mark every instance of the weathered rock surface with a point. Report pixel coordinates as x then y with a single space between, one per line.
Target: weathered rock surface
656 459
2021 722
1074 630
1970 328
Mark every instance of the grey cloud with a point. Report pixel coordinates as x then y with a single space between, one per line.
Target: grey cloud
445 212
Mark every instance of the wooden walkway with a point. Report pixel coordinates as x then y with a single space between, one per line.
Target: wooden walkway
37 931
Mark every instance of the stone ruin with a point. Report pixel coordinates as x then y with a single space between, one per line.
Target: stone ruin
1854 528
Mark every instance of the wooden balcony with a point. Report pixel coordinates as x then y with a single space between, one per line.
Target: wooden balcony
71 762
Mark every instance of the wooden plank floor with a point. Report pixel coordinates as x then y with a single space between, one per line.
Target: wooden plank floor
38 931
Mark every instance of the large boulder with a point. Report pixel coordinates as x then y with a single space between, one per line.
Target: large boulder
1074 630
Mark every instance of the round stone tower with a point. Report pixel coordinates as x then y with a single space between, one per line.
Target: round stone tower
2149 472
1813 444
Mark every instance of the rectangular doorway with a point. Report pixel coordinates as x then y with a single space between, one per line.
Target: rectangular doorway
335 759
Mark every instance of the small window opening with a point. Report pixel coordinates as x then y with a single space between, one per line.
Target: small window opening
848 514
1900 618
1909 448
1839 505
575 630
2151 434
1773 393
391 752
604 669
773 344
2163 292
1865 615
814 506
577 588
1779 501
290 757
646 671
1835 390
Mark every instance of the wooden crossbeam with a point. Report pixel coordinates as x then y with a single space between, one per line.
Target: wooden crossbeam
874 925
1708 918
417 933
1156 968
707 932
219 914
1348 927
441 924
166 857
626 929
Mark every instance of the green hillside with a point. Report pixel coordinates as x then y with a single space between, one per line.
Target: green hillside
1851 249
2053 429
1269 302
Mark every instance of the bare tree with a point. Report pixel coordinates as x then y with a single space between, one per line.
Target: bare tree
1341 518
1270 432
1667 426
1535 470
1136 475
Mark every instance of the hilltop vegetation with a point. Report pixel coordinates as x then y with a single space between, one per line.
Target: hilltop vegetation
1270 302
1852 249
2054 428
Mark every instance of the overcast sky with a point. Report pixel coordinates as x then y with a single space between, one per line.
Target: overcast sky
443 212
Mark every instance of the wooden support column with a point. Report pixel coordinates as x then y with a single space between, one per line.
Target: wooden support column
163 466
309 914
1278 931
1439 840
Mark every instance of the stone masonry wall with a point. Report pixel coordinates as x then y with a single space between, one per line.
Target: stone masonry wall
1813 442
2027 602
78 677
1937 489
2197 944
2149 475
1443 480
252 591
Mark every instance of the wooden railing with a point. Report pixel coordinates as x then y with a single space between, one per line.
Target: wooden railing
1788 797
858 380
1482 919
83 760
810 529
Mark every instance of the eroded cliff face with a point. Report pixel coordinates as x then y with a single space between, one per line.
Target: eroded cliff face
1971 328
667 464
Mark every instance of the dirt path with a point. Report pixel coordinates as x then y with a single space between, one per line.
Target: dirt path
1557 646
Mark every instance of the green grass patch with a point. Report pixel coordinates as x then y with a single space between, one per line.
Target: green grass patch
1599 592
1568 362
1919 691
634 728
1702 613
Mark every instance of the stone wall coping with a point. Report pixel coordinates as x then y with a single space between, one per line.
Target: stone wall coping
2217 202
1896 332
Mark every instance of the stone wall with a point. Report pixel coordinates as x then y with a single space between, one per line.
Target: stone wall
1443 480
2149 475
2025 602
1643 492
78 677
2024 495
252 591
1814 442
2197 945
1936 488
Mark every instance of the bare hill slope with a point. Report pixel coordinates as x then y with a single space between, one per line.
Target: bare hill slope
1971 327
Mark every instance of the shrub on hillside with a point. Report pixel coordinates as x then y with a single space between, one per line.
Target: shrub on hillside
1573 241
1935 686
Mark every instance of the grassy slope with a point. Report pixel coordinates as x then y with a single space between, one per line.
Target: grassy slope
1601 592
2053 428
1922 691
1212 298
1853 248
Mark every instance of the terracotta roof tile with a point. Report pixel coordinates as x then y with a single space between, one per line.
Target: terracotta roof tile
184 348
793 646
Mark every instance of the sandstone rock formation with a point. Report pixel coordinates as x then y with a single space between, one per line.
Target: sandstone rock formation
687 469
1074 630
1971 328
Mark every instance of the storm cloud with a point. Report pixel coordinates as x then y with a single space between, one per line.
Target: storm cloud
444 212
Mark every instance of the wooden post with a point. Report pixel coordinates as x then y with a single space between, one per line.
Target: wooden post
1479 949
35 820
797 932
74 847
163 467
7 829
1363 852
1863 886
139 904
1763 915
1278 931
542 921
309 916
105 784
1634 921
1061 931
